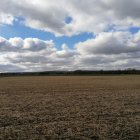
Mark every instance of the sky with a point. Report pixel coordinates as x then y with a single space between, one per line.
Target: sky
44 35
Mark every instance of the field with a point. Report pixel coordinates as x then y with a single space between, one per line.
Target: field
70 108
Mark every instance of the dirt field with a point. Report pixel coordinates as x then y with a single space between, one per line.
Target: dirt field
70 108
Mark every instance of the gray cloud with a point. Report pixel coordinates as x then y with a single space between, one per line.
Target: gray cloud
32 54
88 16
110 43
116 50
125 8
109 50
10 68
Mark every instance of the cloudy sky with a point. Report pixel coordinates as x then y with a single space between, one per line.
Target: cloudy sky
42 35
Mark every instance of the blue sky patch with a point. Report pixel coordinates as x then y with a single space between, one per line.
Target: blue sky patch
19 30
68 20
134 30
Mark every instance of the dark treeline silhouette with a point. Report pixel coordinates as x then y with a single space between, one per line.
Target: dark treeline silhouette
74 73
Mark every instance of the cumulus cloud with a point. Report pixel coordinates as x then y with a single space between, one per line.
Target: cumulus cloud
86 16
110 50
114 50
109 20
17 44
110 43
32 54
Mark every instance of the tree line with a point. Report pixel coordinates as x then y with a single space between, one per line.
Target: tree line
74 73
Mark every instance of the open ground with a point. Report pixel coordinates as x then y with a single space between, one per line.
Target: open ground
70 108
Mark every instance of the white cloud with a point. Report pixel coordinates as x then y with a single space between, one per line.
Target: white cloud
116 50
92 16
32 54
110 43
110 50
6 18
17 44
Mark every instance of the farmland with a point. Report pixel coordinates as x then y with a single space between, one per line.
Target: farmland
70 108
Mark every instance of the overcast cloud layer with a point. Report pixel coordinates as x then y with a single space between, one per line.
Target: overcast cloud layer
114 47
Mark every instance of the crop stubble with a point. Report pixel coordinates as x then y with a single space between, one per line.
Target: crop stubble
70 108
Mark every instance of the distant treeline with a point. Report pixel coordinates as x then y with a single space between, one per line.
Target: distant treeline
73 73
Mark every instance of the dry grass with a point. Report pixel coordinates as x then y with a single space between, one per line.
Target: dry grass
70 108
